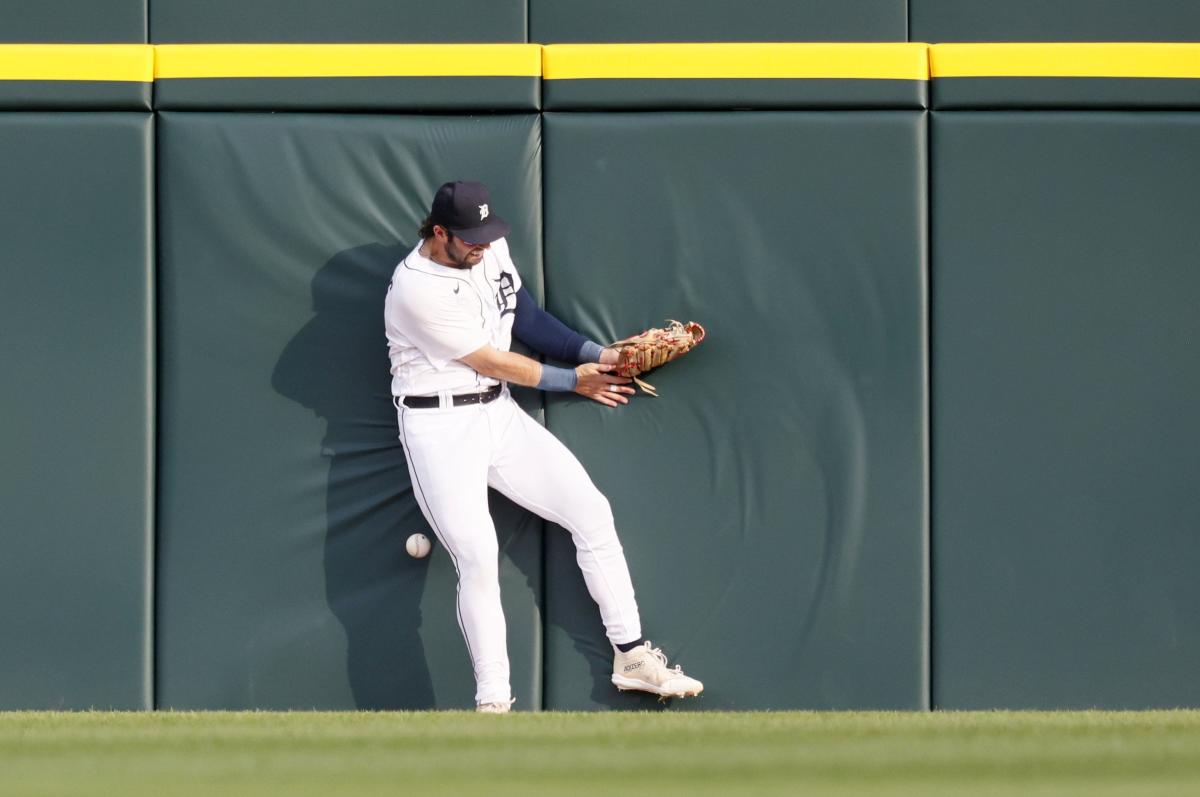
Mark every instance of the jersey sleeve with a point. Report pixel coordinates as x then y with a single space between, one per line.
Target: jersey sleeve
442 324
500 248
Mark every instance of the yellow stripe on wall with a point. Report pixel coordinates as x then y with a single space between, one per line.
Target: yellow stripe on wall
900 61
1066 60
127 63
896 61
348 60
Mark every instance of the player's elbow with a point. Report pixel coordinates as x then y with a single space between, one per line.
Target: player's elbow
484 360
503 365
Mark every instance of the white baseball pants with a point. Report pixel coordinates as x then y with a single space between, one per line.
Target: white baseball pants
454 454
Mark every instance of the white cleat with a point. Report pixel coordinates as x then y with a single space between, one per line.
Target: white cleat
644 669
503 707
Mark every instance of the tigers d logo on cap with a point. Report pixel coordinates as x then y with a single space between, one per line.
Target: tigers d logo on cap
464 208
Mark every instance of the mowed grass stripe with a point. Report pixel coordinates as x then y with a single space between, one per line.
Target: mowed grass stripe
262 753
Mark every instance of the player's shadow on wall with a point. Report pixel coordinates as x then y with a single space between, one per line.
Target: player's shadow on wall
337 366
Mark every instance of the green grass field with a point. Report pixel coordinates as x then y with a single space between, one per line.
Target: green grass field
561 753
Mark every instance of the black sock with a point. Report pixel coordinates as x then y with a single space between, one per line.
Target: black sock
628 646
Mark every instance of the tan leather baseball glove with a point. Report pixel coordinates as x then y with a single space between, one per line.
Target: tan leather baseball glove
654 347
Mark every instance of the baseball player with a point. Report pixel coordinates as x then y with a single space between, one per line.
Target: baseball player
453 305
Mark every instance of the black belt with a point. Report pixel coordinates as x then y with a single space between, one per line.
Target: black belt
461 400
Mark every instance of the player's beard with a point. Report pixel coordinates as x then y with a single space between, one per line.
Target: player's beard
463 260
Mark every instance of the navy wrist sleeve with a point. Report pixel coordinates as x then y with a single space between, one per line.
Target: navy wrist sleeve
553 378
590 352
542 332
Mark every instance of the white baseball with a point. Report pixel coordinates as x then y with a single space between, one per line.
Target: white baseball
418 546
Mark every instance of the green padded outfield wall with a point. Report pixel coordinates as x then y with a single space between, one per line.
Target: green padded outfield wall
285 498
341 21
1066 442
73 21
76 289
717 21
1054 20
771 501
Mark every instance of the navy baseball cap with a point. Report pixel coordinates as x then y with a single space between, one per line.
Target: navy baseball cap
466 210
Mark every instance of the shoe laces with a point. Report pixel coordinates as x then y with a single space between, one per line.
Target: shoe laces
662 657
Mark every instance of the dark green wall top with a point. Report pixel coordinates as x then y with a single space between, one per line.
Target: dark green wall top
1056 21
341 21
717 20
73 21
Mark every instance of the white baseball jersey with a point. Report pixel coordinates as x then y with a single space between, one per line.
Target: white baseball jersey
435 314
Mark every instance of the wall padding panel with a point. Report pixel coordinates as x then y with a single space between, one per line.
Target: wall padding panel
1065 432
717 20
285 498
1059 21
772 502
76 288
343 21
94 21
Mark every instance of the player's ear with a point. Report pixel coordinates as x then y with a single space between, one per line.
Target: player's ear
441 233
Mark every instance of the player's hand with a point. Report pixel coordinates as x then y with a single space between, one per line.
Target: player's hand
595 382
609 356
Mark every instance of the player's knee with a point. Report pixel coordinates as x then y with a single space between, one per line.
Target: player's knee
599 535
602 509
479 566
603 541
592 511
